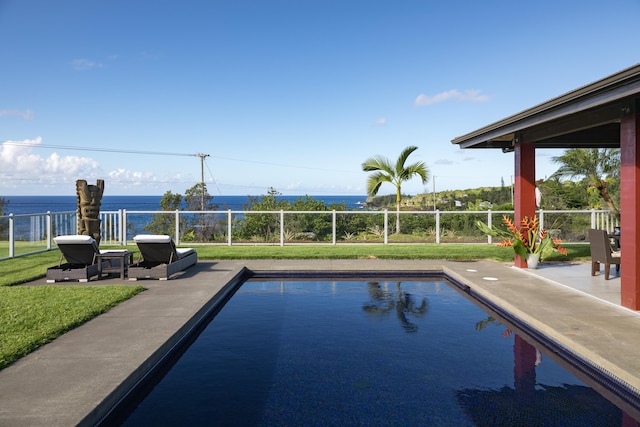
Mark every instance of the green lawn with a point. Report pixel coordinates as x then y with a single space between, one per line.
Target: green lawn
26 268
449 251
34 315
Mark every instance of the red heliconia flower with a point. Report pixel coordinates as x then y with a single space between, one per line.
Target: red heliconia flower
529 235
506 242
511 227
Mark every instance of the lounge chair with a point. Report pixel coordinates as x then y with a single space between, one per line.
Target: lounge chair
601 252
160 258
80 253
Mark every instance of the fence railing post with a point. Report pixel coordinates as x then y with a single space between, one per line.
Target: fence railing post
12 240
490 224
48 234
333 226
120 236
281 227
229 222
541 220
177 219
438 226
386 227
593 218
124 227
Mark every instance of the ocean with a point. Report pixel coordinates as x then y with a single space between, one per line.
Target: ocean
41 204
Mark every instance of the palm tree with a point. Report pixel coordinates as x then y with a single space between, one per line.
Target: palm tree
385 172
599 166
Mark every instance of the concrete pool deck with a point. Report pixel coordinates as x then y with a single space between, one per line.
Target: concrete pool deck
75 379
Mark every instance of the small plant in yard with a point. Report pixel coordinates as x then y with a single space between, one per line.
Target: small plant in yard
350 236
449 234
289 235
528 239
376 231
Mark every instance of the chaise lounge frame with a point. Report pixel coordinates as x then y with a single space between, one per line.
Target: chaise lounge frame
160 258
80 253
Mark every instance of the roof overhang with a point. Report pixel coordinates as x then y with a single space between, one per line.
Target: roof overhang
588 117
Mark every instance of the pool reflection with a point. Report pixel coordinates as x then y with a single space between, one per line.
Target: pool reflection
405 304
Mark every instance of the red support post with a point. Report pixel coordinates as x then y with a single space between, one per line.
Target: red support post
629 207
525 186
524 369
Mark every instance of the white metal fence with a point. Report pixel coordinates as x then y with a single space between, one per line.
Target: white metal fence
31 233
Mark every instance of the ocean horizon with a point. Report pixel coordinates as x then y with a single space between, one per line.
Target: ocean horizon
19 205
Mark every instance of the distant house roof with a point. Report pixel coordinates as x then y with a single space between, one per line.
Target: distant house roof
587 117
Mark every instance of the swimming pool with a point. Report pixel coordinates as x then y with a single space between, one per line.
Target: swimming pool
374 352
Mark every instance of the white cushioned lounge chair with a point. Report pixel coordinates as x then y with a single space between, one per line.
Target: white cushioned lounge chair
80 253
160 257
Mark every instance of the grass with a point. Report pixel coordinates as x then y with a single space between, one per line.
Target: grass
34 315
450 251
27 268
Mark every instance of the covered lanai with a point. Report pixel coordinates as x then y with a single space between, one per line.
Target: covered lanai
603 114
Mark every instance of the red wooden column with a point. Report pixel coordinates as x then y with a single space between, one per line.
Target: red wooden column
524 368
629 204
525 186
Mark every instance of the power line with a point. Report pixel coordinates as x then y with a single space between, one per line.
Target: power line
160 153
213 178
102 150
285 166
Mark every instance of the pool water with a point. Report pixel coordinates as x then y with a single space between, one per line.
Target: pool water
399 352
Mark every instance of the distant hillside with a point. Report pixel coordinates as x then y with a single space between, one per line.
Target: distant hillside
469 199
555 195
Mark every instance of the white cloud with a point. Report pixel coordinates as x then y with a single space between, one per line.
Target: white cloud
471 95
14 153
84 64
382 121
23 170
74 165
128 177
19 162
445 162
292 186
24 114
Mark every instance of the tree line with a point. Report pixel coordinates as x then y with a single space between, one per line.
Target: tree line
586 179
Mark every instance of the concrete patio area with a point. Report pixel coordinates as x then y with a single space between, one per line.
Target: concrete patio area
577 276
78 378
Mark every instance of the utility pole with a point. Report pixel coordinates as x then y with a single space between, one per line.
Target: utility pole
202 156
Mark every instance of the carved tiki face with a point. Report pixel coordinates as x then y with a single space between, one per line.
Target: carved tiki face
89 198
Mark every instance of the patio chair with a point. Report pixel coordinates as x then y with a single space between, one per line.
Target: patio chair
601 252
80 253
160 258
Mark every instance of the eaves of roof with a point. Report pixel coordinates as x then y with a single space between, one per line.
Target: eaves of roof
587 116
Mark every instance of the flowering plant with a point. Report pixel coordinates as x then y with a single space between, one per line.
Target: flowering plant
528 239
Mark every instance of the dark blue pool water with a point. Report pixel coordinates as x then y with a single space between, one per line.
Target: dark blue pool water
365 353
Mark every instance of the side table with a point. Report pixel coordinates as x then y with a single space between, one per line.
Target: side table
123 257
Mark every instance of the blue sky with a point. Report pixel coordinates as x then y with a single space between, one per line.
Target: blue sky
290 94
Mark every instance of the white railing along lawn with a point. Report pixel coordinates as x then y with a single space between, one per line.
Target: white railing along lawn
31 233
